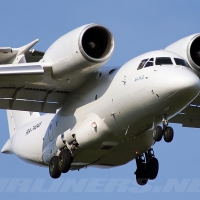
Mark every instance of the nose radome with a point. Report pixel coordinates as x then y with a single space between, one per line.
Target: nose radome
188 81
169 81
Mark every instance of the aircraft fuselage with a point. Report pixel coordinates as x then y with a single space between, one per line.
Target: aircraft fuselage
113 112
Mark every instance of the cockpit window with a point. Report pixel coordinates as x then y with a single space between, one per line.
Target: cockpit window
141 65
149 63
163 61
182 62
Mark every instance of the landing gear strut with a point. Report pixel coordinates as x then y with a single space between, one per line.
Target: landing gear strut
60 164
147 167
166 132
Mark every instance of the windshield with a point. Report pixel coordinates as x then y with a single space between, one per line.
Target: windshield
148 62
163 61
182 62
142 63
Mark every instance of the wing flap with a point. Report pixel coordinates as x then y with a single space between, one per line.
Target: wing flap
36 95
7 92
24 105
28 99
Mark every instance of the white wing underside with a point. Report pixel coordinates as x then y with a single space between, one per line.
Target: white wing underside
27 84
22 86
190 116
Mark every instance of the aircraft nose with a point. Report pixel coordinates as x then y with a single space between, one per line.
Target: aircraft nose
177 81
187 81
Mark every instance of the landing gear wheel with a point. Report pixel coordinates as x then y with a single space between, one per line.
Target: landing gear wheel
141 176
65 160
157 133
168 134
142 181
53 167
152 168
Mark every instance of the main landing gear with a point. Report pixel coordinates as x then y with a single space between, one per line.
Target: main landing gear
60 164
147 167
166 132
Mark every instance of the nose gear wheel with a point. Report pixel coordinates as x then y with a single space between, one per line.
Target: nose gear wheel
166 132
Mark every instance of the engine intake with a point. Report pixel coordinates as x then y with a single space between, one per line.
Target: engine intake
194 51
96 42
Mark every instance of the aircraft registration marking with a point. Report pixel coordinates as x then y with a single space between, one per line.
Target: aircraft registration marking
139 78
33 128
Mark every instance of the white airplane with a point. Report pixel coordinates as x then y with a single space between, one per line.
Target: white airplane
102 117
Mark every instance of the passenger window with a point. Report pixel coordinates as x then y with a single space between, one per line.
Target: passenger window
163 61
182 62
141 65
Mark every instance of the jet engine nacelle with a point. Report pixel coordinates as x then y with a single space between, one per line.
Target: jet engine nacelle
189 49
82 50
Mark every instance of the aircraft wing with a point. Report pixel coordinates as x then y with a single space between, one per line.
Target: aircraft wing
21 88
190 116
30 99
28 87
33 81
26 84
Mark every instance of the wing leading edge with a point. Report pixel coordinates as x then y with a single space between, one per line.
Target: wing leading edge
21 69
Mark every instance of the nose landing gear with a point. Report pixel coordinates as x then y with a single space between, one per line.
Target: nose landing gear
166 132
147 167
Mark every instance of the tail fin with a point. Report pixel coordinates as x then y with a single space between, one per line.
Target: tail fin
17 119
